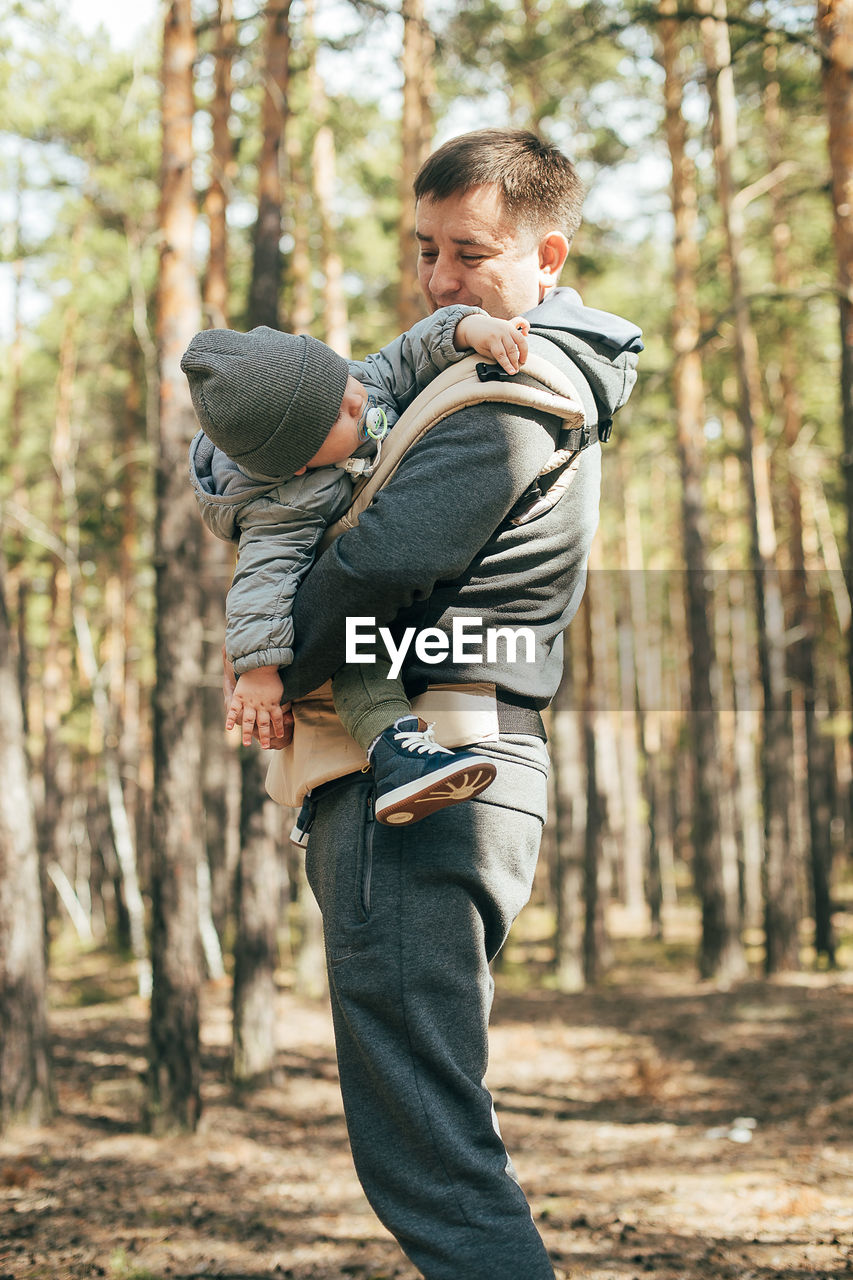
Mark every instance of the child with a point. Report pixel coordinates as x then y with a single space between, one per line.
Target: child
282 417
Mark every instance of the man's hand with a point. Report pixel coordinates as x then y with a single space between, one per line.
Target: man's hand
256 705
501 340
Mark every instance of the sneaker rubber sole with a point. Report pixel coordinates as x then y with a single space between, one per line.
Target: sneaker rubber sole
457 781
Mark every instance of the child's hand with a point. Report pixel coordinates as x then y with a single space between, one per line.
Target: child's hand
502 340
256 705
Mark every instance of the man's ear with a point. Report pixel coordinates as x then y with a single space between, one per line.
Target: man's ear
553 251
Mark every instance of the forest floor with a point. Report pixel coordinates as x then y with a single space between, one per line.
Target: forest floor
661 1128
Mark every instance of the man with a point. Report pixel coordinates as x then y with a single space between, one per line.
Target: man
413 916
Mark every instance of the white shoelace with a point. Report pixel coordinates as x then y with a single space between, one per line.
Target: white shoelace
421 742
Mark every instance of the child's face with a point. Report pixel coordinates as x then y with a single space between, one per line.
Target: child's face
343 438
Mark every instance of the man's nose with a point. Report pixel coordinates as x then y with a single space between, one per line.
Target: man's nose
444 280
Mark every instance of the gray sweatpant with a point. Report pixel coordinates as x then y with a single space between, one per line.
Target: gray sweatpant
412 918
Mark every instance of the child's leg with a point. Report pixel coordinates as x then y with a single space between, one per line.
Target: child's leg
367 700
367 704
413 775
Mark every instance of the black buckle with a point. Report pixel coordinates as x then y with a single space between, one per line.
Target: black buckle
605 430
492 373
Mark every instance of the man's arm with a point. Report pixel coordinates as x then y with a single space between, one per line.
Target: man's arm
448 496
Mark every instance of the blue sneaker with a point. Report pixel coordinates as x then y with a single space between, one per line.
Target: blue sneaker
415 776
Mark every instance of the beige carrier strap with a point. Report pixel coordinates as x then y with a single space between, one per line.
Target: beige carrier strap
539 385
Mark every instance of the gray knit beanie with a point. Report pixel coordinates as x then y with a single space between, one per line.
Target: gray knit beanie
267 399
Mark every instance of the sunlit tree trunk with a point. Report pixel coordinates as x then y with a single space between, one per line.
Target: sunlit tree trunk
258 906
254 1041
25 1081
266 262
569 823
835 33
721 953
416 140
300 292
804 607
634 838
222 171
782 906
220 766
646 612
595 942
335 318
220 760
17 584
323 192
174 1097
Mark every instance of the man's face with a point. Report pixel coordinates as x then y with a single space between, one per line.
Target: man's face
472 253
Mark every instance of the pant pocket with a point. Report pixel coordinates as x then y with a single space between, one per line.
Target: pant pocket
339 865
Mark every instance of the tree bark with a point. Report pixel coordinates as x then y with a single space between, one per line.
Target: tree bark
222 170
835 33
220 763
25 1078
721 953
595 942
335 318
300 292
258 906
174 1097
254 1025
415 143
646 618
266 262
804 603
782 905
569 821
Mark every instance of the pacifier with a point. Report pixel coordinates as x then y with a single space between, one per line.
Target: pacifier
373 423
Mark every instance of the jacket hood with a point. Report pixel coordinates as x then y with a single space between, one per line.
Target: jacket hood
604 347
221 488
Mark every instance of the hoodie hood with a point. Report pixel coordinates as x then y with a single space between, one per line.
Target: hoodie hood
563 309
604 347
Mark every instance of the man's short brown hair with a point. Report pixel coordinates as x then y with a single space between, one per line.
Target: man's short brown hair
539 185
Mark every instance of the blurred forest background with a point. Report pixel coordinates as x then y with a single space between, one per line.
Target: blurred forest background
252 164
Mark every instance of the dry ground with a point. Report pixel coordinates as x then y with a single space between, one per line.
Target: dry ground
619 1107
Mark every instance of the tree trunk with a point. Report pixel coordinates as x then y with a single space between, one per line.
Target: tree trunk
781 872
804 621
174 1098
266 262
254 1024
595 957
25 1081
335 318
721 953
646 626
569 821
220 763
220 767
300 293
416 140
835 33
222 171
258 906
